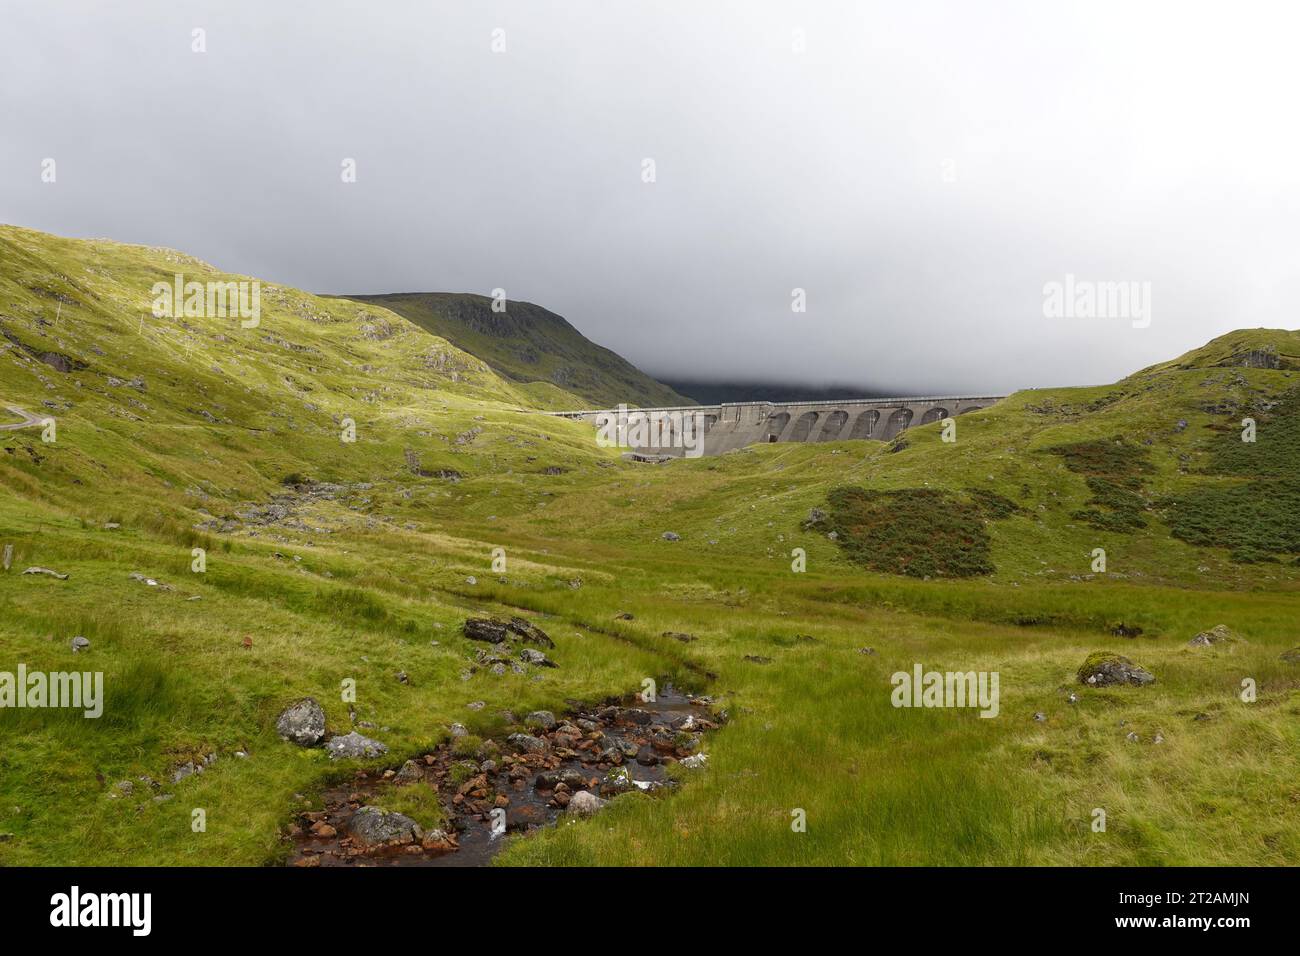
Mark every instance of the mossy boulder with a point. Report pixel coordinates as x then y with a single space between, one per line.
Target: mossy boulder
1105 668
1219 634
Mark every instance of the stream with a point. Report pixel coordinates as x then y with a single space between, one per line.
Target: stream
597 752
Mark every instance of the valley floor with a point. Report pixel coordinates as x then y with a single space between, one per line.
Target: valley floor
812 733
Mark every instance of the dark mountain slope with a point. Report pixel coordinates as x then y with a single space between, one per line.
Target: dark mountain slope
529 344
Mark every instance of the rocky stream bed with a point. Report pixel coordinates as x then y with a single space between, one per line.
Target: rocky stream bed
569 766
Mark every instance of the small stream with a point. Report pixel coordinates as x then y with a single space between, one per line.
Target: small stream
601 751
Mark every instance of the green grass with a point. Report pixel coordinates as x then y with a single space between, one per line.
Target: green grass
372 579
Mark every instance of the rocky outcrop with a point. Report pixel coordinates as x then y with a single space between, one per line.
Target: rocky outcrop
515 630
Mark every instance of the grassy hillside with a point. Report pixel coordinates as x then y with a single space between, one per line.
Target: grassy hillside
529 344
328 560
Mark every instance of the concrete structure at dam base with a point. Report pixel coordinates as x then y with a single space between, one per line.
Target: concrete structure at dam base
694 430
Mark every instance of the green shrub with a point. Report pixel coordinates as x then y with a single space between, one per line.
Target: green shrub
920 532
1112 470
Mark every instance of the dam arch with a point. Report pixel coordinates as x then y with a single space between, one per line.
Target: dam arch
835 423
865 424
803 427
898 421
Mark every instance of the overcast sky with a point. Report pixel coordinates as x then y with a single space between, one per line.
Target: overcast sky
921 170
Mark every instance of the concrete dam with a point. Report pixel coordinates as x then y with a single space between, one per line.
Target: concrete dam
693 430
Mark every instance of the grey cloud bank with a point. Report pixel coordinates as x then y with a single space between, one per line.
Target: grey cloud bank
922 171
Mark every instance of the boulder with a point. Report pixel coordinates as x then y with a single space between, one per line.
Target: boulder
529 632
527 743
354 745
541 718
374 826
671 536
495 631
79 644
1219 634
1291 657
485 629
536 658
584 804
302 723
411 772
1104 668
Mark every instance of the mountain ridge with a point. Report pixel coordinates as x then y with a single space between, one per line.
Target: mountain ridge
529 344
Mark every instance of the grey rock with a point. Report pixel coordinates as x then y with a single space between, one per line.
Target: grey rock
354 745
584 804
53 574
541 718
302 723
1291 657
527 743
494 631
536 658
1109 669
79 644
1219 634
374 826
410 772
671 536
